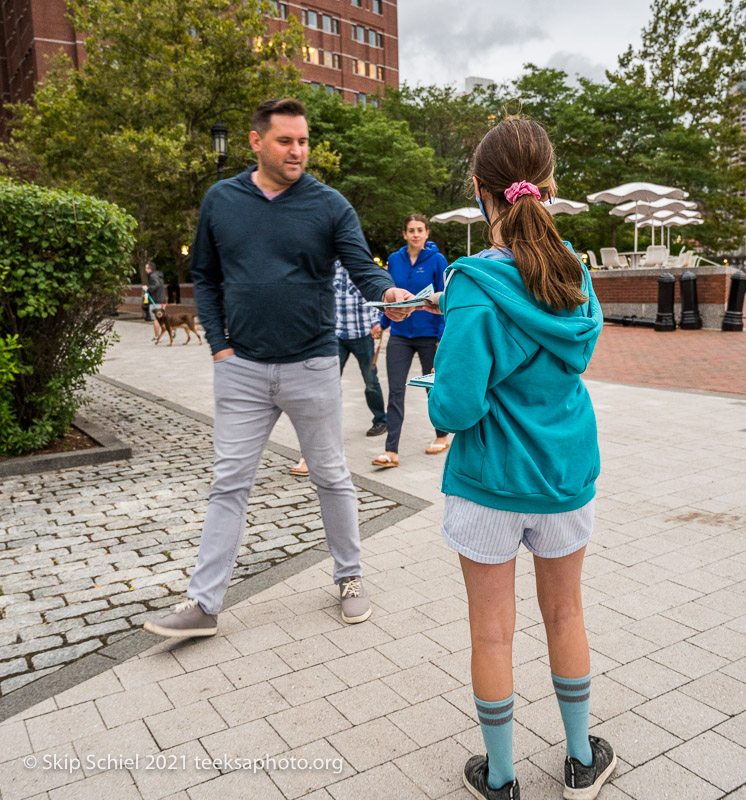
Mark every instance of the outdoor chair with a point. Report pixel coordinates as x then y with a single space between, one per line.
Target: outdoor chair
611 259
592 259
655 256
677 261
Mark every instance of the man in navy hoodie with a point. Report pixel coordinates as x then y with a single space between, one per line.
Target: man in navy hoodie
263 271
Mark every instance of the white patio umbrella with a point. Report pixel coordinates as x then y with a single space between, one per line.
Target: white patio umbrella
560 206
637 192
660 217
675 221
466 216
642 207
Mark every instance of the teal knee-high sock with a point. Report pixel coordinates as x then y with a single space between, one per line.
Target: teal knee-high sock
496 720
574 698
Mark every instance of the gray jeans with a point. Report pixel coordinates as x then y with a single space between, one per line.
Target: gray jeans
249 398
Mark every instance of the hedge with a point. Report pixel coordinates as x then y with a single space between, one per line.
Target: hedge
64 257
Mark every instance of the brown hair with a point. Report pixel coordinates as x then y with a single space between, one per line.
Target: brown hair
519 150
261 119
416 218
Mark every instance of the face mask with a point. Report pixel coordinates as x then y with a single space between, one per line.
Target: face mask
481 208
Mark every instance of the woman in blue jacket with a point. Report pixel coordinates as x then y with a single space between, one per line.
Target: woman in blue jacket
413 267
521 323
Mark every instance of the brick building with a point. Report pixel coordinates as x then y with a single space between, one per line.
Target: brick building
30 31
352 44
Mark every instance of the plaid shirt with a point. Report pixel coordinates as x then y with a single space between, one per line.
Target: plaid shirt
353 319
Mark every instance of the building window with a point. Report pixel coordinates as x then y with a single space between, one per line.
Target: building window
379 73
357 3
312 55
281 9
321 22
358 33
329 89
329 24
378 6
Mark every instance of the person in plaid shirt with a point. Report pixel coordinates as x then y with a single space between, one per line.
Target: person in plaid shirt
354 323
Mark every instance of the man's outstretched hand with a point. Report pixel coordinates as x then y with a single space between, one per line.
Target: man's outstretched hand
394 295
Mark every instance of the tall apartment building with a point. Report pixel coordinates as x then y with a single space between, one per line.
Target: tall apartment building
352 44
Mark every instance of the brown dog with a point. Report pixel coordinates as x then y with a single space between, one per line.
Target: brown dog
171 322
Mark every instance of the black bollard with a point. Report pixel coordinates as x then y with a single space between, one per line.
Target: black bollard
690 319
733 319
664 319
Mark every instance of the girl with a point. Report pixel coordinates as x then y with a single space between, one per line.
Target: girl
413 267
521 322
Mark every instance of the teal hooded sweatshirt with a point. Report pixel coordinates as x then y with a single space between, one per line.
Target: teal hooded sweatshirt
507 383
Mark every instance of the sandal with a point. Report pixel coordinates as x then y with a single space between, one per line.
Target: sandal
385 462
436 448
300 468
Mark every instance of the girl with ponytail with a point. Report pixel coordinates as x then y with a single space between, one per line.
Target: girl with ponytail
521 323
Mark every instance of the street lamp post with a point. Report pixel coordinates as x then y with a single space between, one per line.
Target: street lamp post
219 134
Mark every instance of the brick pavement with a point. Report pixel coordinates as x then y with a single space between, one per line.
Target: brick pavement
665 592
708 361
88 553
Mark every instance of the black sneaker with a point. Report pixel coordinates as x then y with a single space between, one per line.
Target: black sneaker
475 780
376 429
584 783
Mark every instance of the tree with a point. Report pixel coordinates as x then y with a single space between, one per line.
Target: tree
380 168
622 131
452 125
695 59
133 124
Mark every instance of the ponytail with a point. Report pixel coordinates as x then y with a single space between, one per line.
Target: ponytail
548 268
513 152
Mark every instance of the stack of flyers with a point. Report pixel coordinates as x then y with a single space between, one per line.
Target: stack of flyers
418 301
428 381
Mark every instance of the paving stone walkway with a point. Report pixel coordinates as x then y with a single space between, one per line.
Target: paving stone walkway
386 706
86 554
705 361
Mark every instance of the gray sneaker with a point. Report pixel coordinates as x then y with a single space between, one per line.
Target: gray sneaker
584 783
355 603
475 780
187 619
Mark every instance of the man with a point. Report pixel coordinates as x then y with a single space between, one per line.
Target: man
156 293
263 270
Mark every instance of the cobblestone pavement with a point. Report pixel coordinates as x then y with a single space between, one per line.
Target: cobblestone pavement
708 361
88 553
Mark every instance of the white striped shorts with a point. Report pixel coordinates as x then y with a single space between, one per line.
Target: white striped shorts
493 536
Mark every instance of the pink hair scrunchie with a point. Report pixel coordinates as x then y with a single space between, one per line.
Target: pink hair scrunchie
516 190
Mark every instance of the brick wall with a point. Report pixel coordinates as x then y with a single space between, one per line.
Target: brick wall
629 292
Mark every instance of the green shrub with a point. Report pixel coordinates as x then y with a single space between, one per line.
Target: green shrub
63 260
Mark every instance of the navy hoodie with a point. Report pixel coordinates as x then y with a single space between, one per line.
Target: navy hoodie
428 268
263 270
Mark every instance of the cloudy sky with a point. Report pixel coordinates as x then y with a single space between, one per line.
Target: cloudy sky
443 41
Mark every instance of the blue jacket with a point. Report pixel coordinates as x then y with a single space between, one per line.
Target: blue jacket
507 382
428 268
263 270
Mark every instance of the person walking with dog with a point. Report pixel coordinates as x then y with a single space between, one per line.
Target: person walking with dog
156 292
521 323
415 266
263 270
